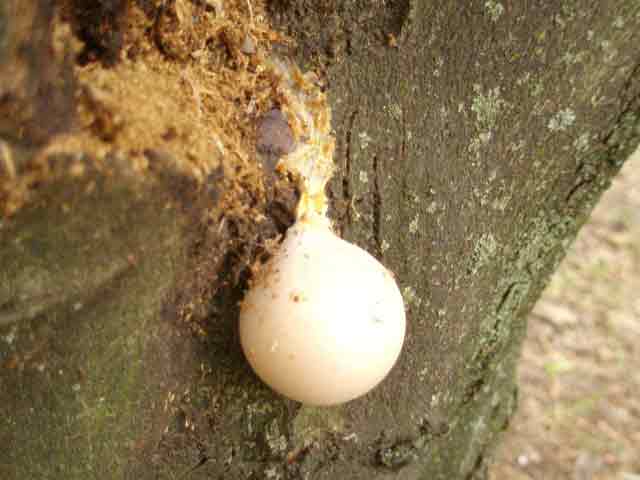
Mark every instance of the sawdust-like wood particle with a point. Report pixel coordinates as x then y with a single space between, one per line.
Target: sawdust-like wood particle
198 109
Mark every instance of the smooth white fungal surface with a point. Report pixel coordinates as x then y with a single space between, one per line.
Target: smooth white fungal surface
324 321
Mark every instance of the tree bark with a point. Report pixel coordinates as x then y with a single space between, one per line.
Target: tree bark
472 143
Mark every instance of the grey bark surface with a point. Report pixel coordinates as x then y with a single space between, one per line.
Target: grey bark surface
472 144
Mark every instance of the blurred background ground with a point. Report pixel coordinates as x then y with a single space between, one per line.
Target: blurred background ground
579 413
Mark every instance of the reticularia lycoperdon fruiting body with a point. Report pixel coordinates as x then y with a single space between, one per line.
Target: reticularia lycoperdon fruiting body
324 323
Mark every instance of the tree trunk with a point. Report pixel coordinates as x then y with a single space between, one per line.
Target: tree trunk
472 143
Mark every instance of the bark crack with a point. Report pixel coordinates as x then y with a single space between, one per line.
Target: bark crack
377 208
346 177
588 172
